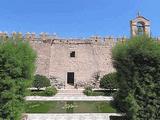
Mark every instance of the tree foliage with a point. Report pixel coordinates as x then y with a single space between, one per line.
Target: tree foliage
109 81
41 81
137 62
16 73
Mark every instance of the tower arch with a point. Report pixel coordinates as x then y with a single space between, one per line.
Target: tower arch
140 26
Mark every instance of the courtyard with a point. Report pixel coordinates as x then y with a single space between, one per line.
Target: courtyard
70 104
103 62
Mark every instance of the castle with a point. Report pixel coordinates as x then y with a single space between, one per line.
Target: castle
75 61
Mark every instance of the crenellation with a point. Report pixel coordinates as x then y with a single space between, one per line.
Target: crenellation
33 36
54 39
20 35
43 36
30 36
96 39
3 34
109 41
27 35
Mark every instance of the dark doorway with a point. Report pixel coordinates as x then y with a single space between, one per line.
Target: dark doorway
70 78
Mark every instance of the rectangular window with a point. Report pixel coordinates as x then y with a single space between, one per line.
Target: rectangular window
72 54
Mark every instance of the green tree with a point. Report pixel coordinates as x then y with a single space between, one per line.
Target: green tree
137 62
16 73
41 81
109 81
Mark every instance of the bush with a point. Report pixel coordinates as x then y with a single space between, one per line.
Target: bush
88 91
98 93
137 63
109 81
37 93
50 91
41 81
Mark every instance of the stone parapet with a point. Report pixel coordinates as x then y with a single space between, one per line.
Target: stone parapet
54 39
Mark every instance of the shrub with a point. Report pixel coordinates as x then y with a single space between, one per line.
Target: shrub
137 63
37 93
109 81
50 91
41 81
98 93
88 91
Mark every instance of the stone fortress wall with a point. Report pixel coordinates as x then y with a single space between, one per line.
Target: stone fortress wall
92 55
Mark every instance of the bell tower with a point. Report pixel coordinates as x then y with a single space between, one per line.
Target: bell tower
140 26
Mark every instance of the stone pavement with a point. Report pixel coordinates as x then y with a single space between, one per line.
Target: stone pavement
70 92
69 98
73 116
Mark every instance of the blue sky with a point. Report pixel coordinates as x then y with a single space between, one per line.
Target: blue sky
77 18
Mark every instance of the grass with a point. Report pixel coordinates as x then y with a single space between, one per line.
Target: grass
59 107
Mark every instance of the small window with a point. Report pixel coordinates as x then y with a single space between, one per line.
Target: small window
72 54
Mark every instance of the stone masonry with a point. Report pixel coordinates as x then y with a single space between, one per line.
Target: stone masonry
92 56
84 58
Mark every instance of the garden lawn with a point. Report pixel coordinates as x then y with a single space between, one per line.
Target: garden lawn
59 107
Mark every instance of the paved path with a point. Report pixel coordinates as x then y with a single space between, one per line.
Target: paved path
69 98
74 116
70 92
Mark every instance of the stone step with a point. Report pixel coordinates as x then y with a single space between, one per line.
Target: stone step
69 94
70 91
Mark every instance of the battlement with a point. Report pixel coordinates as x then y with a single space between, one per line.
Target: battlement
54 39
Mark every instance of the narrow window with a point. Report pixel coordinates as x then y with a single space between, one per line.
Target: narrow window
72 54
